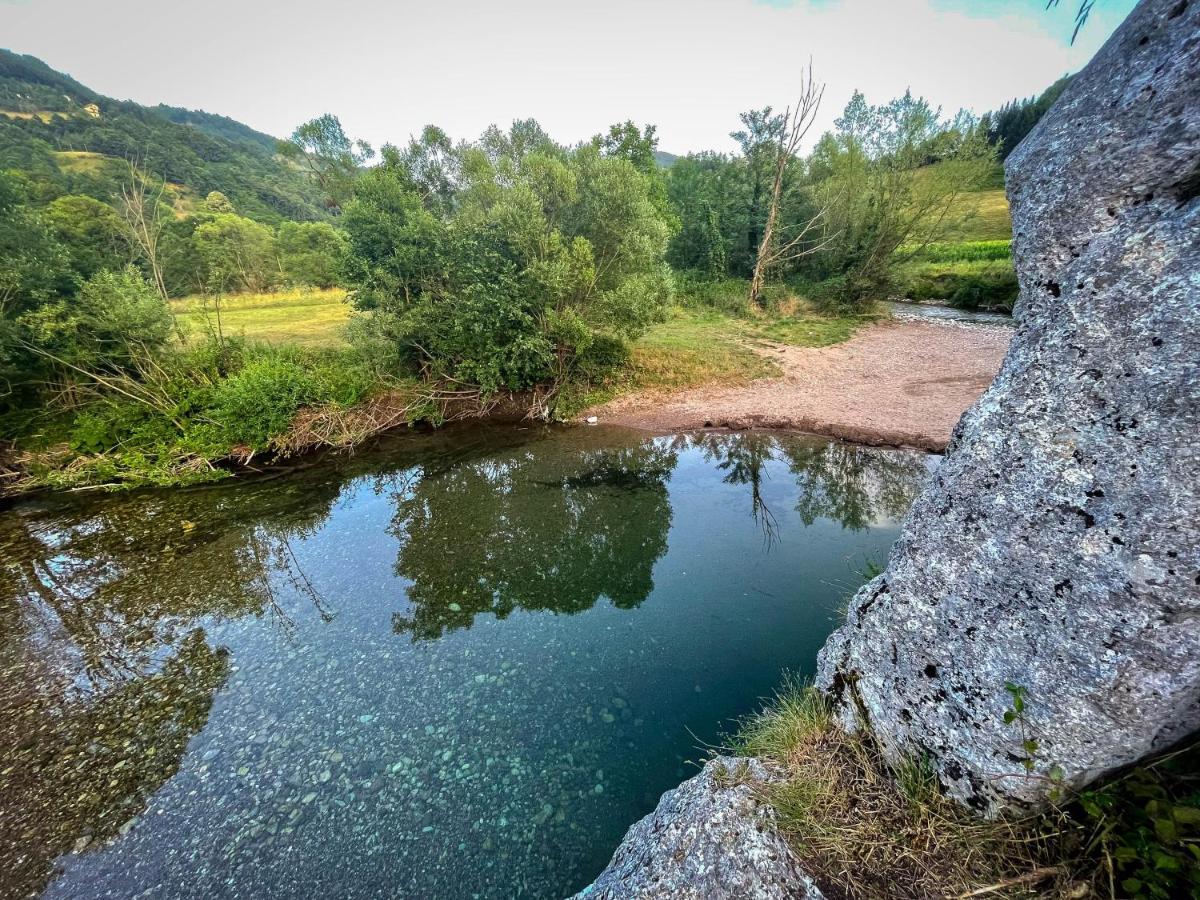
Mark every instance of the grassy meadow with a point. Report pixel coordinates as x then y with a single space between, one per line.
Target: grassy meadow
310 318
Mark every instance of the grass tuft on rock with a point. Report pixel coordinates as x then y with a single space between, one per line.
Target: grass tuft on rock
865 829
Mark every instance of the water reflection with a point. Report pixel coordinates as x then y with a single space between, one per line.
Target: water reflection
123 618
518 530
106 671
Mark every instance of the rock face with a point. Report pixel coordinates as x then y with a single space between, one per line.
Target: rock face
709 839
1058 547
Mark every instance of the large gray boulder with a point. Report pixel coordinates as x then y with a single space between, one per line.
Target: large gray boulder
1058 546
711 838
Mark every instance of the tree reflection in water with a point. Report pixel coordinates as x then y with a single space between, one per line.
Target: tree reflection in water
104 657
523 530
107 606
518 530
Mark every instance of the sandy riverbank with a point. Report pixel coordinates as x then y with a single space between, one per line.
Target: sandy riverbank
901 383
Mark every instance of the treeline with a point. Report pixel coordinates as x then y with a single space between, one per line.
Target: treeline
508 265
1008 125
869 195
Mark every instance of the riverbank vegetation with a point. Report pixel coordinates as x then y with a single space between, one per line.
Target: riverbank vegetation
866 828
141 295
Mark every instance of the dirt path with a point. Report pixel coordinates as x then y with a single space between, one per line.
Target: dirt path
900 383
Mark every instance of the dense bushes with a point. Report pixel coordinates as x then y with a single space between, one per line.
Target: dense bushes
970 275
173 422
500 265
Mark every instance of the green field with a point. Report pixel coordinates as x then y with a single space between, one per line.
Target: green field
979 216
311 318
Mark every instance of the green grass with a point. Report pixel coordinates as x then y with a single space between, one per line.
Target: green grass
309 318
979 216
698 346
695 348
965 251
812 330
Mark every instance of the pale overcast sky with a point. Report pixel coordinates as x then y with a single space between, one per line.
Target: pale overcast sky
388 67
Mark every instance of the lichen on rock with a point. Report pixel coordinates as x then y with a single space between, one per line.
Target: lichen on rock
1057 549
711 838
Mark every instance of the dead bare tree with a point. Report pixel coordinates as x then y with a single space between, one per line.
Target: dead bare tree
142 210
776 246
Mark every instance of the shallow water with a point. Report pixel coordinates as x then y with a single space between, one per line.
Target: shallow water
460 665
941 313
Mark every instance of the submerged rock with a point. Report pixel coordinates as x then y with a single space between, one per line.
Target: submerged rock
708 839
1058 546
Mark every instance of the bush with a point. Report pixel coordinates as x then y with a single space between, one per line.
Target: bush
981 284
602 357
496 265
117 320
257 403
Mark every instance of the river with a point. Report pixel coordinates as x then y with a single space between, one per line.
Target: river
457 666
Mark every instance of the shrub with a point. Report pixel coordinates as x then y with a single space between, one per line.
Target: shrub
117 320
258 402
985 284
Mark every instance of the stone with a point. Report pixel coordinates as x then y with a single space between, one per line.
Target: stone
711 838
1058 545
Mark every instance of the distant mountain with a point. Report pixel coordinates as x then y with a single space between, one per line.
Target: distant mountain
217 126
65 138
665 159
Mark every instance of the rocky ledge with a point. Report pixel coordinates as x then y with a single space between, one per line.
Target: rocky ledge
711 838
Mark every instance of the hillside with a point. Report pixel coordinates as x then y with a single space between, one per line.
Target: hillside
64 137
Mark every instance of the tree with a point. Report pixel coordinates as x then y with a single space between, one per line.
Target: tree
34 270
1007 126
91 232
705 194
216 203
776 248
758 142
509 274
311 253
238 254
143 210
885 181
322 147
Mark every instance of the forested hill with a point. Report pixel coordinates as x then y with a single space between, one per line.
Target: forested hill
65 138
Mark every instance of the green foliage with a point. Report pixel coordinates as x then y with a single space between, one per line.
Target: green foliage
1015 715
311 253
216 400
1146 828
968 284
322 146
257 403
499 264
1007 126
888 181
91 233
237 254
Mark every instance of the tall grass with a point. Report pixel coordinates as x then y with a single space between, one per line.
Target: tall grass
964 251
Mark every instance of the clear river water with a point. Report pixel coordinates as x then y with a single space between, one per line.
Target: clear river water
457 666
